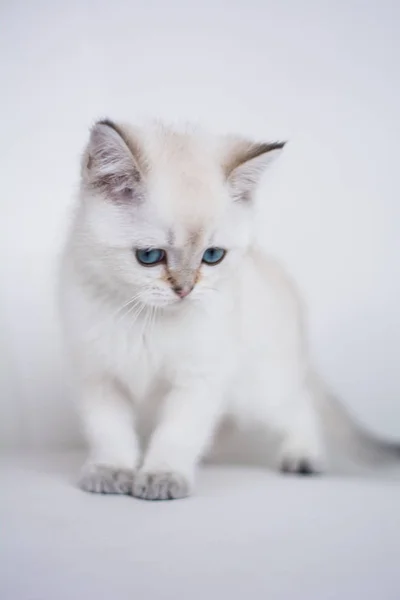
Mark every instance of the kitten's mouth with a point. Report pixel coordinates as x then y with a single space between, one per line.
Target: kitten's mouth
181 296
171 303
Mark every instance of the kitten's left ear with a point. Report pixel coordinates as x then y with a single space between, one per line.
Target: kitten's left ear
247 163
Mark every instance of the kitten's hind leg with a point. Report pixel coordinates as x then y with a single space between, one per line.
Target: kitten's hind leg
285 409
301 450
113 448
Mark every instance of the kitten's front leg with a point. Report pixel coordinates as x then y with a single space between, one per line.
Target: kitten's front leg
188 422
107 417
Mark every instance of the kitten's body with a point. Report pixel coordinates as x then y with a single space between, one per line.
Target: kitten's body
234 346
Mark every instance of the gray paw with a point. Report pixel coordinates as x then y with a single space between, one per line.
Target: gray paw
302 456
101 479
300 466
160 486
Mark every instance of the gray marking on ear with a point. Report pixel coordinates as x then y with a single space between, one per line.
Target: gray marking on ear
246 164
111 163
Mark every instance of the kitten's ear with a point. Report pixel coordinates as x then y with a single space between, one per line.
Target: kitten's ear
110 165
246 163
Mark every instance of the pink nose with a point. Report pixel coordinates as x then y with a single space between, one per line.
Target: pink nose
182 292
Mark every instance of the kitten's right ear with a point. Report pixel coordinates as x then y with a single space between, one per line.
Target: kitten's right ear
109 164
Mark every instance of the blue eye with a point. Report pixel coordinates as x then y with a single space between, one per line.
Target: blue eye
213 256
150 257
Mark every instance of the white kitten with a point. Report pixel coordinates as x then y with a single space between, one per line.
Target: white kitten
169 304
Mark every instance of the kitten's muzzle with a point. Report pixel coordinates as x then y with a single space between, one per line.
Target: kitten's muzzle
182 283
182 291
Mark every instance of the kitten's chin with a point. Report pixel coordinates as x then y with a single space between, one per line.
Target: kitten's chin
169 304
164 303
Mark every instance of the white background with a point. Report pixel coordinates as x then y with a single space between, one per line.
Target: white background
325 75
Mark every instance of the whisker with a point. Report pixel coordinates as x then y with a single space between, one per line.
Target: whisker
140 308
126 305
152 324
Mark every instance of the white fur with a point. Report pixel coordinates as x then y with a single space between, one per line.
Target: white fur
234 347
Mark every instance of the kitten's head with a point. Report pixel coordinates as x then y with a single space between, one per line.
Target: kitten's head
167 215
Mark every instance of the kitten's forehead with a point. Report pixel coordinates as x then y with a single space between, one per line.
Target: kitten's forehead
185 181
191 200
179 236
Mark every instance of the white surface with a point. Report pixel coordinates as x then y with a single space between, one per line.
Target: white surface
245 533
325 75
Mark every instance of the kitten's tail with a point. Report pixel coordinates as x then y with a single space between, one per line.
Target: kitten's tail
346 437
